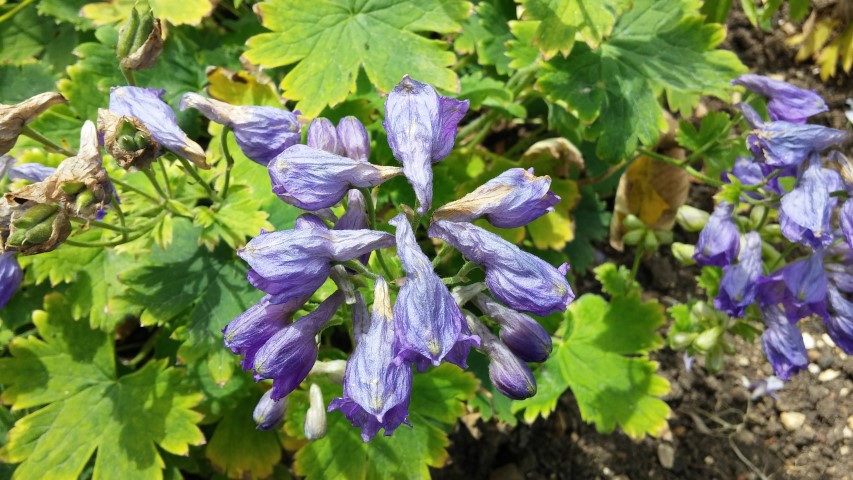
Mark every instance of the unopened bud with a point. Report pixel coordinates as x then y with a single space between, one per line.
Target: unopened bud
353 137
84 201
650 241
683 253
691 218
664 236
714 360
322 135
315 419
631 222
708 339
334 369
682 340
633 237
268 412
756 215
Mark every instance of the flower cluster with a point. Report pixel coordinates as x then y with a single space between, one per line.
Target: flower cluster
414 321
816 284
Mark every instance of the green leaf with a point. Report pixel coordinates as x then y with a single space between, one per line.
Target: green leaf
716 11
486 91
184 12
658 44
237 217
441 393
560 20
591 225
486 32
616 282
330 41
19 82
65 11
603 360
24 36
520 48
88 408
712 131
240 450
87 87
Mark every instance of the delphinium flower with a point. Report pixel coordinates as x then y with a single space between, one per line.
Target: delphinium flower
315 424
739 286
719 241
807 209
427 321
11 276
519 279
523 335
782 343
261 132
800 287
512 199
787 102
508 373
147 106
421 126
839 324
376 388
268 412
250 330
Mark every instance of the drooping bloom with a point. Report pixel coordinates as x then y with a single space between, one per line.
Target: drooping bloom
427 322
11 276
268 412
294 263
421 127
522 334
806 210
355 218
800 287
719 241
354 138
783 144
13 118
323 135
251 329
309 220
750 172
288 356
376 389
512 199
147 106
787 102
839 325
261 132
739 284
519 279
510 376
32 172
312 179
783 343
315 419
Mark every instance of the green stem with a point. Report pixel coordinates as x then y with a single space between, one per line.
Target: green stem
681 164
119 213
194 173
359 268
604 176
105 226
165 177
229 160
109 243
461 276
29 132
14 11
126 186
371 218
153 179
638 255
790 248
146 349
442 255
525 143
128 77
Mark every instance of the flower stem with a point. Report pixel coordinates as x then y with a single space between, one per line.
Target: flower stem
461 276
105 226
371 218
165 178
229 160
120 214
638 256
359 268
128 77
14 11
194 173
29 132
153 179
681 164
126 186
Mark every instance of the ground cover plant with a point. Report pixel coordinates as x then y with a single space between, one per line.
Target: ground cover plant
266 239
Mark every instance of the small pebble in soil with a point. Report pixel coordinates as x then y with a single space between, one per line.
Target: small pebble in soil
844 392
814 369
808 340
850 422
828 375
709 460
826 359
666 455
847 432
844 450
827 340
792 420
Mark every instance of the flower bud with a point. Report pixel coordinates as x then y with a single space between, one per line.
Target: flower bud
683 253
691 218
140 41
714 360
315 420
509 375
682 340
322 135
633 237
708 339
650 241
664 237
11 276
354 139
268 413
631 222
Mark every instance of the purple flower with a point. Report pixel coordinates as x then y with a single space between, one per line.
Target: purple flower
376 388
522 334
845 220
11 276
782 343
799 286
739 284
268 412
512 199
261 132
322 135
250 331
353 136
355 217
787 102
294 263
312 179
510 376
839 325
519 279
750 172
33 172
427 322
719 241
783 144
421 127
288 356
309 220
147 106
806 210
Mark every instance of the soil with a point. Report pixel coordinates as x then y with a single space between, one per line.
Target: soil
716 431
